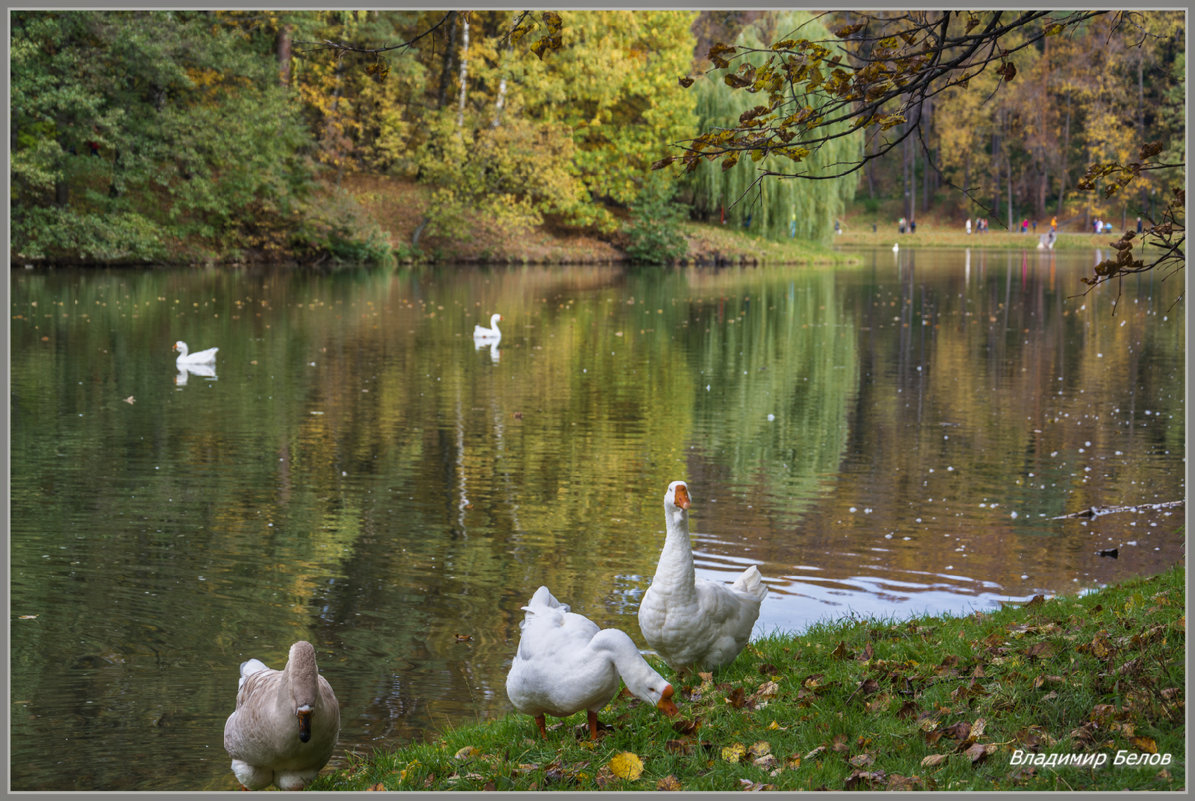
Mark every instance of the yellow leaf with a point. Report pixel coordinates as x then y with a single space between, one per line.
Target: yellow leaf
734 752
626 766
760 748
1146 744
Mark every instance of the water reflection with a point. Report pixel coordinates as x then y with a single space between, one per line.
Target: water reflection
886 439
185 371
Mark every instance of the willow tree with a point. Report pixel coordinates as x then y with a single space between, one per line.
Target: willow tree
730 190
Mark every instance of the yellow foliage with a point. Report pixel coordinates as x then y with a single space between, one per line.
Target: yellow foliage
626 766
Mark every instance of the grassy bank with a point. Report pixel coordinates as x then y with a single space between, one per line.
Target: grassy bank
935 703
397 206
936 237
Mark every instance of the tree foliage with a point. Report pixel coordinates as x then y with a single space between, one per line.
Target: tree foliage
132 130
729 191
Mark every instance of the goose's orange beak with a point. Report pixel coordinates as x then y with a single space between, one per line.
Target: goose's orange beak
682 497
665 704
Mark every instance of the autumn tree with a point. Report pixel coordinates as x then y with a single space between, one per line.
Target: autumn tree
729 192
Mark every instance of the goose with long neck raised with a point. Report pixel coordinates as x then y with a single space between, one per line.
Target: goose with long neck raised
691 622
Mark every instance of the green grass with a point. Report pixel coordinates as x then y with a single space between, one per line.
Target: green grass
934 703
727 244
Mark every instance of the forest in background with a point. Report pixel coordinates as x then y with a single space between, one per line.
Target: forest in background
190 136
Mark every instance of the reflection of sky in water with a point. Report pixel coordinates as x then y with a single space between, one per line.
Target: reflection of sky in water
794 602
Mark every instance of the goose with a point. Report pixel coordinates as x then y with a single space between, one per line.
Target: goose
896 247
692 622
285 723
199 357
565 663
491 333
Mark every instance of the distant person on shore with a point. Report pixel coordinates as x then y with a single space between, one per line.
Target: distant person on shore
912 226
1138 225
968 226
900 224
1053 223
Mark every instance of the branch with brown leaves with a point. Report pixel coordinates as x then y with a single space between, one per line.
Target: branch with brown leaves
875 75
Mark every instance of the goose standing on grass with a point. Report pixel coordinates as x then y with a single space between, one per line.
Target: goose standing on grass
285 723
692 622
491 334
199 357
565 663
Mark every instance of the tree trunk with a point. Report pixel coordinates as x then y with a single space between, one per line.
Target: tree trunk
446 63
283 50
460 109
1066 138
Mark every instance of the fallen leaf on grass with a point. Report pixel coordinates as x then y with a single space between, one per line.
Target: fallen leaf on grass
1146 744
626 766
669 782
379 787
760 748
754 787
839 743
734 753
1040 650
861 760
841 652
869 778
687 726
678 746
815 753
737 698
933 760
980 752
466 752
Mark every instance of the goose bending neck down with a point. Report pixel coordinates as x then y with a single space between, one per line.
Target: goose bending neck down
565 663
285 724
691 622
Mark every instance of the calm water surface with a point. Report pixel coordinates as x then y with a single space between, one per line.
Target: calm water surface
886 439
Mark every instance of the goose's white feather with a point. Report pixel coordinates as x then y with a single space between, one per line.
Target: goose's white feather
565 663
489 334
693 622
199 357
263 735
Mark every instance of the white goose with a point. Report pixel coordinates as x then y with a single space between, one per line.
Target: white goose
199 357
564 664
692 622
489 334
285 723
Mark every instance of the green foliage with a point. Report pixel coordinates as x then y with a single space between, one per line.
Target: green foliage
513 173
653 233
164 123
776 208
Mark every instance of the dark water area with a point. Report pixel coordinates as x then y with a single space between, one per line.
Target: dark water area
886 439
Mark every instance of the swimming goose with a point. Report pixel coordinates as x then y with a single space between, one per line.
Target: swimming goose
199 357
564 664
491 333
285 723
693 622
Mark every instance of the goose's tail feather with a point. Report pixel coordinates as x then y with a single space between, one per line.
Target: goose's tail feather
751 583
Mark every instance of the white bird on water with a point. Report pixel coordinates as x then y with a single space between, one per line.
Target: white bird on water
199 357
489 334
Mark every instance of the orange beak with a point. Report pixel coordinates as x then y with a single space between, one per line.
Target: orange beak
682 497
665 704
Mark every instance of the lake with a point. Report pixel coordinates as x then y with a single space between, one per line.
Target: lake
895 437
